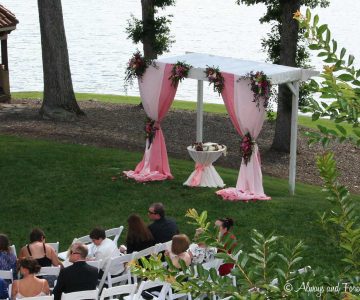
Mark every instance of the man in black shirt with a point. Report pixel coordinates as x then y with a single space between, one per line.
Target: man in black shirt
162 229
79 276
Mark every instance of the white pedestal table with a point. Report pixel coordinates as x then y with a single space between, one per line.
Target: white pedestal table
205 174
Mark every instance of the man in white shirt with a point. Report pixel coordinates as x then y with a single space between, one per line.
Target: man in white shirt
102 248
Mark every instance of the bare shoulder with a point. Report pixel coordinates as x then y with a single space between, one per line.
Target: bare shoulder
14 286
49 248
45 282
23 252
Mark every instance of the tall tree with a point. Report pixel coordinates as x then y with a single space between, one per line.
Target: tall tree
283 48
288 45
152 31
148 19
59 98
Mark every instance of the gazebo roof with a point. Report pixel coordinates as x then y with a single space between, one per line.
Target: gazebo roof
277 73
8 20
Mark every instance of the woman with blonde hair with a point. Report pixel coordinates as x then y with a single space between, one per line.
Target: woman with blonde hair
29 285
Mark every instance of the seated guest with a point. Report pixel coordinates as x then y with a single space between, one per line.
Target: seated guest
179 250
162 229
29 285
102 248
39 250
7 258
225 225
138 236
200 252
79 276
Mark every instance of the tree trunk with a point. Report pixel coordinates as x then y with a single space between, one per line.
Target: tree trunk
148 15
59 98
288 44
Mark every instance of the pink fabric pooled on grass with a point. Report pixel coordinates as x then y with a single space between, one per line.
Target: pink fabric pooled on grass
157 95
246 117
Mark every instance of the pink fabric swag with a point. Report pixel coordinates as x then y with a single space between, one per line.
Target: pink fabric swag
246 117
157 95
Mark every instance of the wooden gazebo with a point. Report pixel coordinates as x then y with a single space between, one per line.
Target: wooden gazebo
8 23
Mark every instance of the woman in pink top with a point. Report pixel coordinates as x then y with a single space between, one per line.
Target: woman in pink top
30 285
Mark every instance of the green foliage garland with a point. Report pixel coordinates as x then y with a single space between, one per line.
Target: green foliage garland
271 43
159 28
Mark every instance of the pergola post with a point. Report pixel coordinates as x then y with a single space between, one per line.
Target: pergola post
294 87
199 114
4 53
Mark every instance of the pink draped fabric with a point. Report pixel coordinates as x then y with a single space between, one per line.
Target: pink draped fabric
199 169
157 95
246 117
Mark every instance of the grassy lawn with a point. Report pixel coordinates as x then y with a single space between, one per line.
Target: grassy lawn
67 189
178 104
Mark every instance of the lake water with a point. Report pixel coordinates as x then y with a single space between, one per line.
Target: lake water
99 49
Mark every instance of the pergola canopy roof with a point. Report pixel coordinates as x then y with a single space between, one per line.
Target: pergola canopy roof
277 73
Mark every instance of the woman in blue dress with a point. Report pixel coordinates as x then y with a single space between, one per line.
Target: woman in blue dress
7 258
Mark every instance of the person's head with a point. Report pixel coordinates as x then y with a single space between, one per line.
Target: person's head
97 235
78 251
4 243
137 229
28 266
180 243
156 211
37 235
225 224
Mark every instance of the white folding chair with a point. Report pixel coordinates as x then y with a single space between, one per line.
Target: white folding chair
172 296
40 298
119 290
168 245
91 295
10 289
116 271
84 239
214 263
145 252
115 233
148 284
300 271
49 271
55 246
160 247
7 275
95 263
236 256
13 250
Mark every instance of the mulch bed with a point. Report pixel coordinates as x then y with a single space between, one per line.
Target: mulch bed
121 126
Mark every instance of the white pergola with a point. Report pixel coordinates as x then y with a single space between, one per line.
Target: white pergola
277 74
